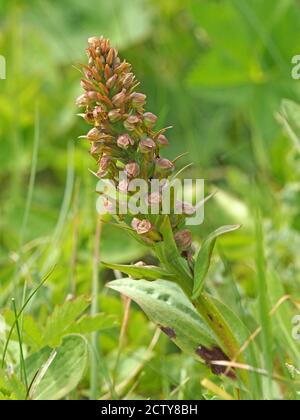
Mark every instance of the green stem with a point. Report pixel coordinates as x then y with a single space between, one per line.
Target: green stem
170 258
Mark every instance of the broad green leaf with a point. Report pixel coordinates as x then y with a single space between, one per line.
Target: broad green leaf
290 119
167 306
57 372
204 257
88 324
145 272
61 320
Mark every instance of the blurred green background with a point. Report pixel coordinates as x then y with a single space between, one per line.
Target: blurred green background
216 70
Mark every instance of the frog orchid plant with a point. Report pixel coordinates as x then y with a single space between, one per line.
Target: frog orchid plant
124 141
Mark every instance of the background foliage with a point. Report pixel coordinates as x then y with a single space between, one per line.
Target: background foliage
217 70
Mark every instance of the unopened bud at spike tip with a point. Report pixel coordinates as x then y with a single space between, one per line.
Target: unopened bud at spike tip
110 56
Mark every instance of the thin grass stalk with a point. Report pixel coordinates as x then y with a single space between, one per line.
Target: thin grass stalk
94 310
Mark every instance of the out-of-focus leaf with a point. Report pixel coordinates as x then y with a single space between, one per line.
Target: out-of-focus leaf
204 257
242 335
283 315
62 318
123 22
11 388
88 324
144 272
119 247
63 368
290 119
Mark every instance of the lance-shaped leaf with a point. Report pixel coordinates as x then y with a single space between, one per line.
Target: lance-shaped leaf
170 257
168 307
204 257
144 272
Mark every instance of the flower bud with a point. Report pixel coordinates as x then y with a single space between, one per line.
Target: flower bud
123 67
114 115
141 226
124 141
123 186
97 112
104 165
109 206
87 85
164 166
105 45
154 198
110 56
94 41
162 140
147 145
119 99
88 117
93 96
94 134
107 71
127 80
96 148
183 239
132 170
101 173
111 81
131 122
82 100
138 100
182 207
105 161
135 222
149 119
